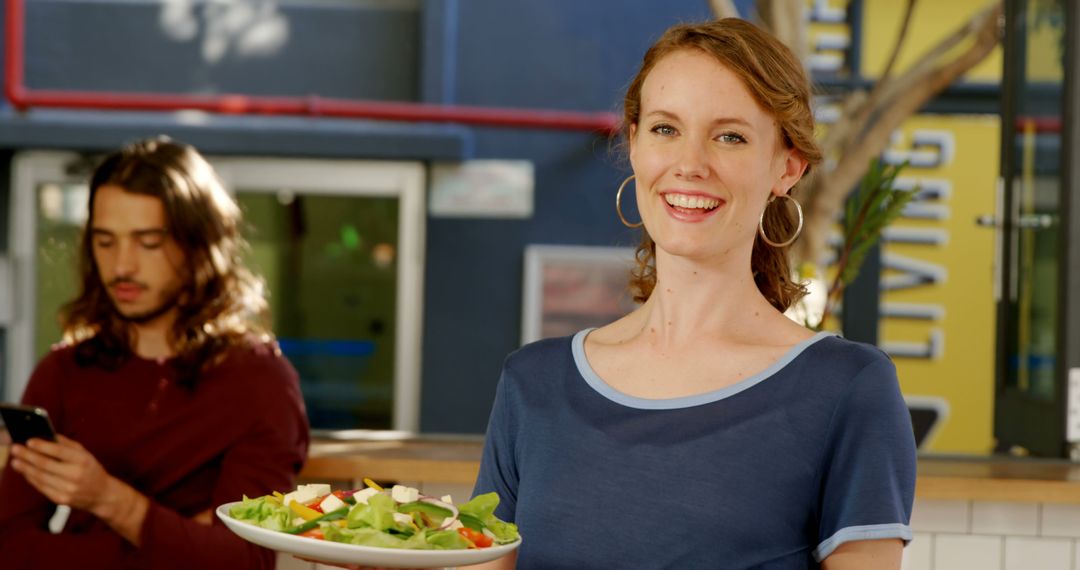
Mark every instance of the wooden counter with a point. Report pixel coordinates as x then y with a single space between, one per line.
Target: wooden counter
395 456
998 479
432 459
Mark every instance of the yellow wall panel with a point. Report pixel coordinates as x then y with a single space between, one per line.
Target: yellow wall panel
939 263
930 23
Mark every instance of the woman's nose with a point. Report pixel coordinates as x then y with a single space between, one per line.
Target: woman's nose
692 160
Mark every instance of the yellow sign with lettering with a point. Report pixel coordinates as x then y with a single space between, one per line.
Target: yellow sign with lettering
937 281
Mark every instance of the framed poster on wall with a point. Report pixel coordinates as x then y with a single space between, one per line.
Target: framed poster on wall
570 288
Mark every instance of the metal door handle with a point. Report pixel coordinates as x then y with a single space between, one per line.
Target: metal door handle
1026 222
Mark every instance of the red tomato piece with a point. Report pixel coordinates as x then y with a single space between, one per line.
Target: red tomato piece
315 533
315 504
479 539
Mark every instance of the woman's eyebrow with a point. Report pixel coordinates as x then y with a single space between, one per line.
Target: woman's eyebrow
717 121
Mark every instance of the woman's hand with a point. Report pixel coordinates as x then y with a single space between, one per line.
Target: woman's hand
358 567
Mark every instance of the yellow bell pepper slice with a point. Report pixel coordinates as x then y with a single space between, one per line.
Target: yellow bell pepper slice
372 484
304 512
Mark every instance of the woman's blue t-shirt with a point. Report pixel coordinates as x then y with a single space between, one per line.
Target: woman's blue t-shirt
773 472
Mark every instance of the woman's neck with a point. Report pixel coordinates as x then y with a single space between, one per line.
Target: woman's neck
694 300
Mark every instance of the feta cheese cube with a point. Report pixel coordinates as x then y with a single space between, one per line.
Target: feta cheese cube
318 489
331 503
362 496
301 495
403 494
446 499
402 518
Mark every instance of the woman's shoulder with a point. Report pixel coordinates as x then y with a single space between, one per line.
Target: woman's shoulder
837 366
543 352
834 345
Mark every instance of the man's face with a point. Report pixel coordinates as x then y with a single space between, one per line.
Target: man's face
137 260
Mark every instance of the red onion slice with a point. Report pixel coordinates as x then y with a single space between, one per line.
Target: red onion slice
453 510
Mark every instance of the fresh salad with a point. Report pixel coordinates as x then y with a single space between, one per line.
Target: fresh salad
400 517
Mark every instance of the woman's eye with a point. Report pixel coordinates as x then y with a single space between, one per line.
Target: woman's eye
731 138
665 130
103 243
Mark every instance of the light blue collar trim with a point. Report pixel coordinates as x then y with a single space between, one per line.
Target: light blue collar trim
577 346
863 532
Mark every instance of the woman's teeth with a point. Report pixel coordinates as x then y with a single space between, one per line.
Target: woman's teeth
691 202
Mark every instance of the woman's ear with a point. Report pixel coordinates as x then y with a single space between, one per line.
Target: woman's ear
631 134
794 168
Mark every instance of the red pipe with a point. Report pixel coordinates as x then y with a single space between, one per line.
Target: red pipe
13 51
23 98
1041 125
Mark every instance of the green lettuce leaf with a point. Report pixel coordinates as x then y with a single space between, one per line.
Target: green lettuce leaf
366 536
446 540
482 508
377 514
263 512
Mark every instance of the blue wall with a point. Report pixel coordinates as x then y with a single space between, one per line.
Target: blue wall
561 54
555 54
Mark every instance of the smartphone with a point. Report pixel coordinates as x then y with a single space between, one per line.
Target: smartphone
26 422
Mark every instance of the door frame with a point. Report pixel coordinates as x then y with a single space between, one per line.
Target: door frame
1046 428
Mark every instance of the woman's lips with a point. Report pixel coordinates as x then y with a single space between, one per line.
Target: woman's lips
691 214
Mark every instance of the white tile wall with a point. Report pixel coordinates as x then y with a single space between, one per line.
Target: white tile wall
919 553
941 516
1022 553
1060 520
966 551
1017 519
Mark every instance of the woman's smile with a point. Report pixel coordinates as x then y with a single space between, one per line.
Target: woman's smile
691 206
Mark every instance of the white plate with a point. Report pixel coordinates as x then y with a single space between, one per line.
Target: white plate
353 554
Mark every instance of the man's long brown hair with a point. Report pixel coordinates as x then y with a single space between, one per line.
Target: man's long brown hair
220 305
777 81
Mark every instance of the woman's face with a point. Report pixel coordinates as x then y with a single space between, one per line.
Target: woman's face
706 156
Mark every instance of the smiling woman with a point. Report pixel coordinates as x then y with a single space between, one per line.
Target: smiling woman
705 408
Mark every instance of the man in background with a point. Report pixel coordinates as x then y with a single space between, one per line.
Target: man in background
169 394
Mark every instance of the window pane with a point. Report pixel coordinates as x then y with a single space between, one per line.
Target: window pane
331 266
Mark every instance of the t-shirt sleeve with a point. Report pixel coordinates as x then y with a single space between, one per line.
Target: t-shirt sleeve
868 473
498 467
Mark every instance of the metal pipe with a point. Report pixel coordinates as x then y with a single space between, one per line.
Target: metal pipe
22 98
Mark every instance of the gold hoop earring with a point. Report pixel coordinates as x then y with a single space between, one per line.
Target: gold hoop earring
761 223
618 204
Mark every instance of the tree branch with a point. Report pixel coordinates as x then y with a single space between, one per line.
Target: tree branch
899 100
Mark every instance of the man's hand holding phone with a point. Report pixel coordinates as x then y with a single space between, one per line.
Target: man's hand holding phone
24 423
66 473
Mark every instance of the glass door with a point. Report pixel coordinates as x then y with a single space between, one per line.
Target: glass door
340 244
1028 401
